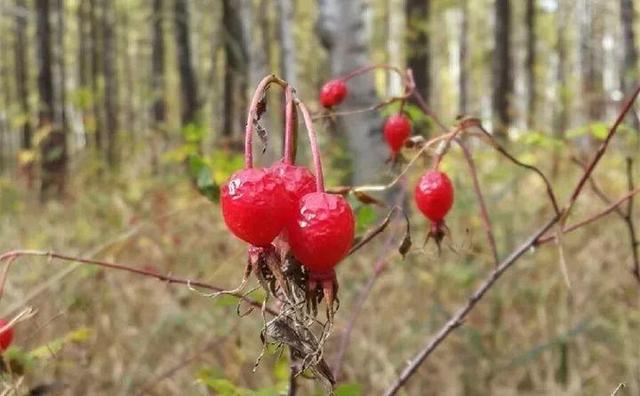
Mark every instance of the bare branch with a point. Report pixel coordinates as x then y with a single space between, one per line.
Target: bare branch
15 254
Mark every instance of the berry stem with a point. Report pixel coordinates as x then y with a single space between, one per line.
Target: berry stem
313 142
252 115
290 127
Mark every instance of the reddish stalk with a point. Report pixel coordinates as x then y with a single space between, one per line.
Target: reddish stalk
253 116
15 254
313 142
290 124
612 207
484 213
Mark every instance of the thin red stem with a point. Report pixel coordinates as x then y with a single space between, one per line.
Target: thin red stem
252 115
15 254
289 126
313 142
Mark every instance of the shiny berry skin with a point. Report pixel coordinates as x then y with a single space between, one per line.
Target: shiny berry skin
298 181
6 336
434 195
333 93
321 233
254 206
397 129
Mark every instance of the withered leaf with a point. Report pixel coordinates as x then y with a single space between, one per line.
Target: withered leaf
368 199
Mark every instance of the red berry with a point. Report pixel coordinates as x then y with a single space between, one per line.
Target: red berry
298 181
434 195
6 336
321 233
333 92
397 129
254 206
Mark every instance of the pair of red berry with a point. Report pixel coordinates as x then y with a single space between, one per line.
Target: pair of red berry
258 205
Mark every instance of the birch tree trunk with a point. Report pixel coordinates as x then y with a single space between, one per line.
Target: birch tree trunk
341 30
287 42
418 44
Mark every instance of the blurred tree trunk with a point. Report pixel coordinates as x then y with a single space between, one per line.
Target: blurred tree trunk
591 70
22 74
462 83
129 72
53 146
158 108
110 81
83 16
188 83
561 107
235 72
418 44
530 22
502 73
255 42
61 67
395 47
288 62
630 62
341 31
98 125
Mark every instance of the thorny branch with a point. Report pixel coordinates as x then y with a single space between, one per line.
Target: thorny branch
15 254
560 215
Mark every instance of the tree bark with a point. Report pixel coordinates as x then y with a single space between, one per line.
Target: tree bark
502 73
630 62
235 74
341 30
591 77
22 76
110 82
53 146
530 63
418 44
188 81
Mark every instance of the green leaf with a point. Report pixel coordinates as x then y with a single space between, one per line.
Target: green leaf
351 389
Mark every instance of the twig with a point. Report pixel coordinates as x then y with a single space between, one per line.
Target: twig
560 215
484 213
612 207
628 219
495 144
15 254
457 318
618 389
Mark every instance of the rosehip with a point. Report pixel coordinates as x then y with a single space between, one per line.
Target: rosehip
254 206
321 233
434 195
333 92
6 336
397 129
298 181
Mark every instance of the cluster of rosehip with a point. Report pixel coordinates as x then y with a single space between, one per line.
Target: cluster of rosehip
295 229
434 192
297 232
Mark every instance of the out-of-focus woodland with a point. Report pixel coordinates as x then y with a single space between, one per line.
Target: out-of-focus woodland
120 119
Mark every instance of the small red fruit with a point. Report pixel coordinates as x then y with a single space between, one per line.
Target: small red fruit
6 336
254 206
333 92
321 233
298 181
397 129
434 195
